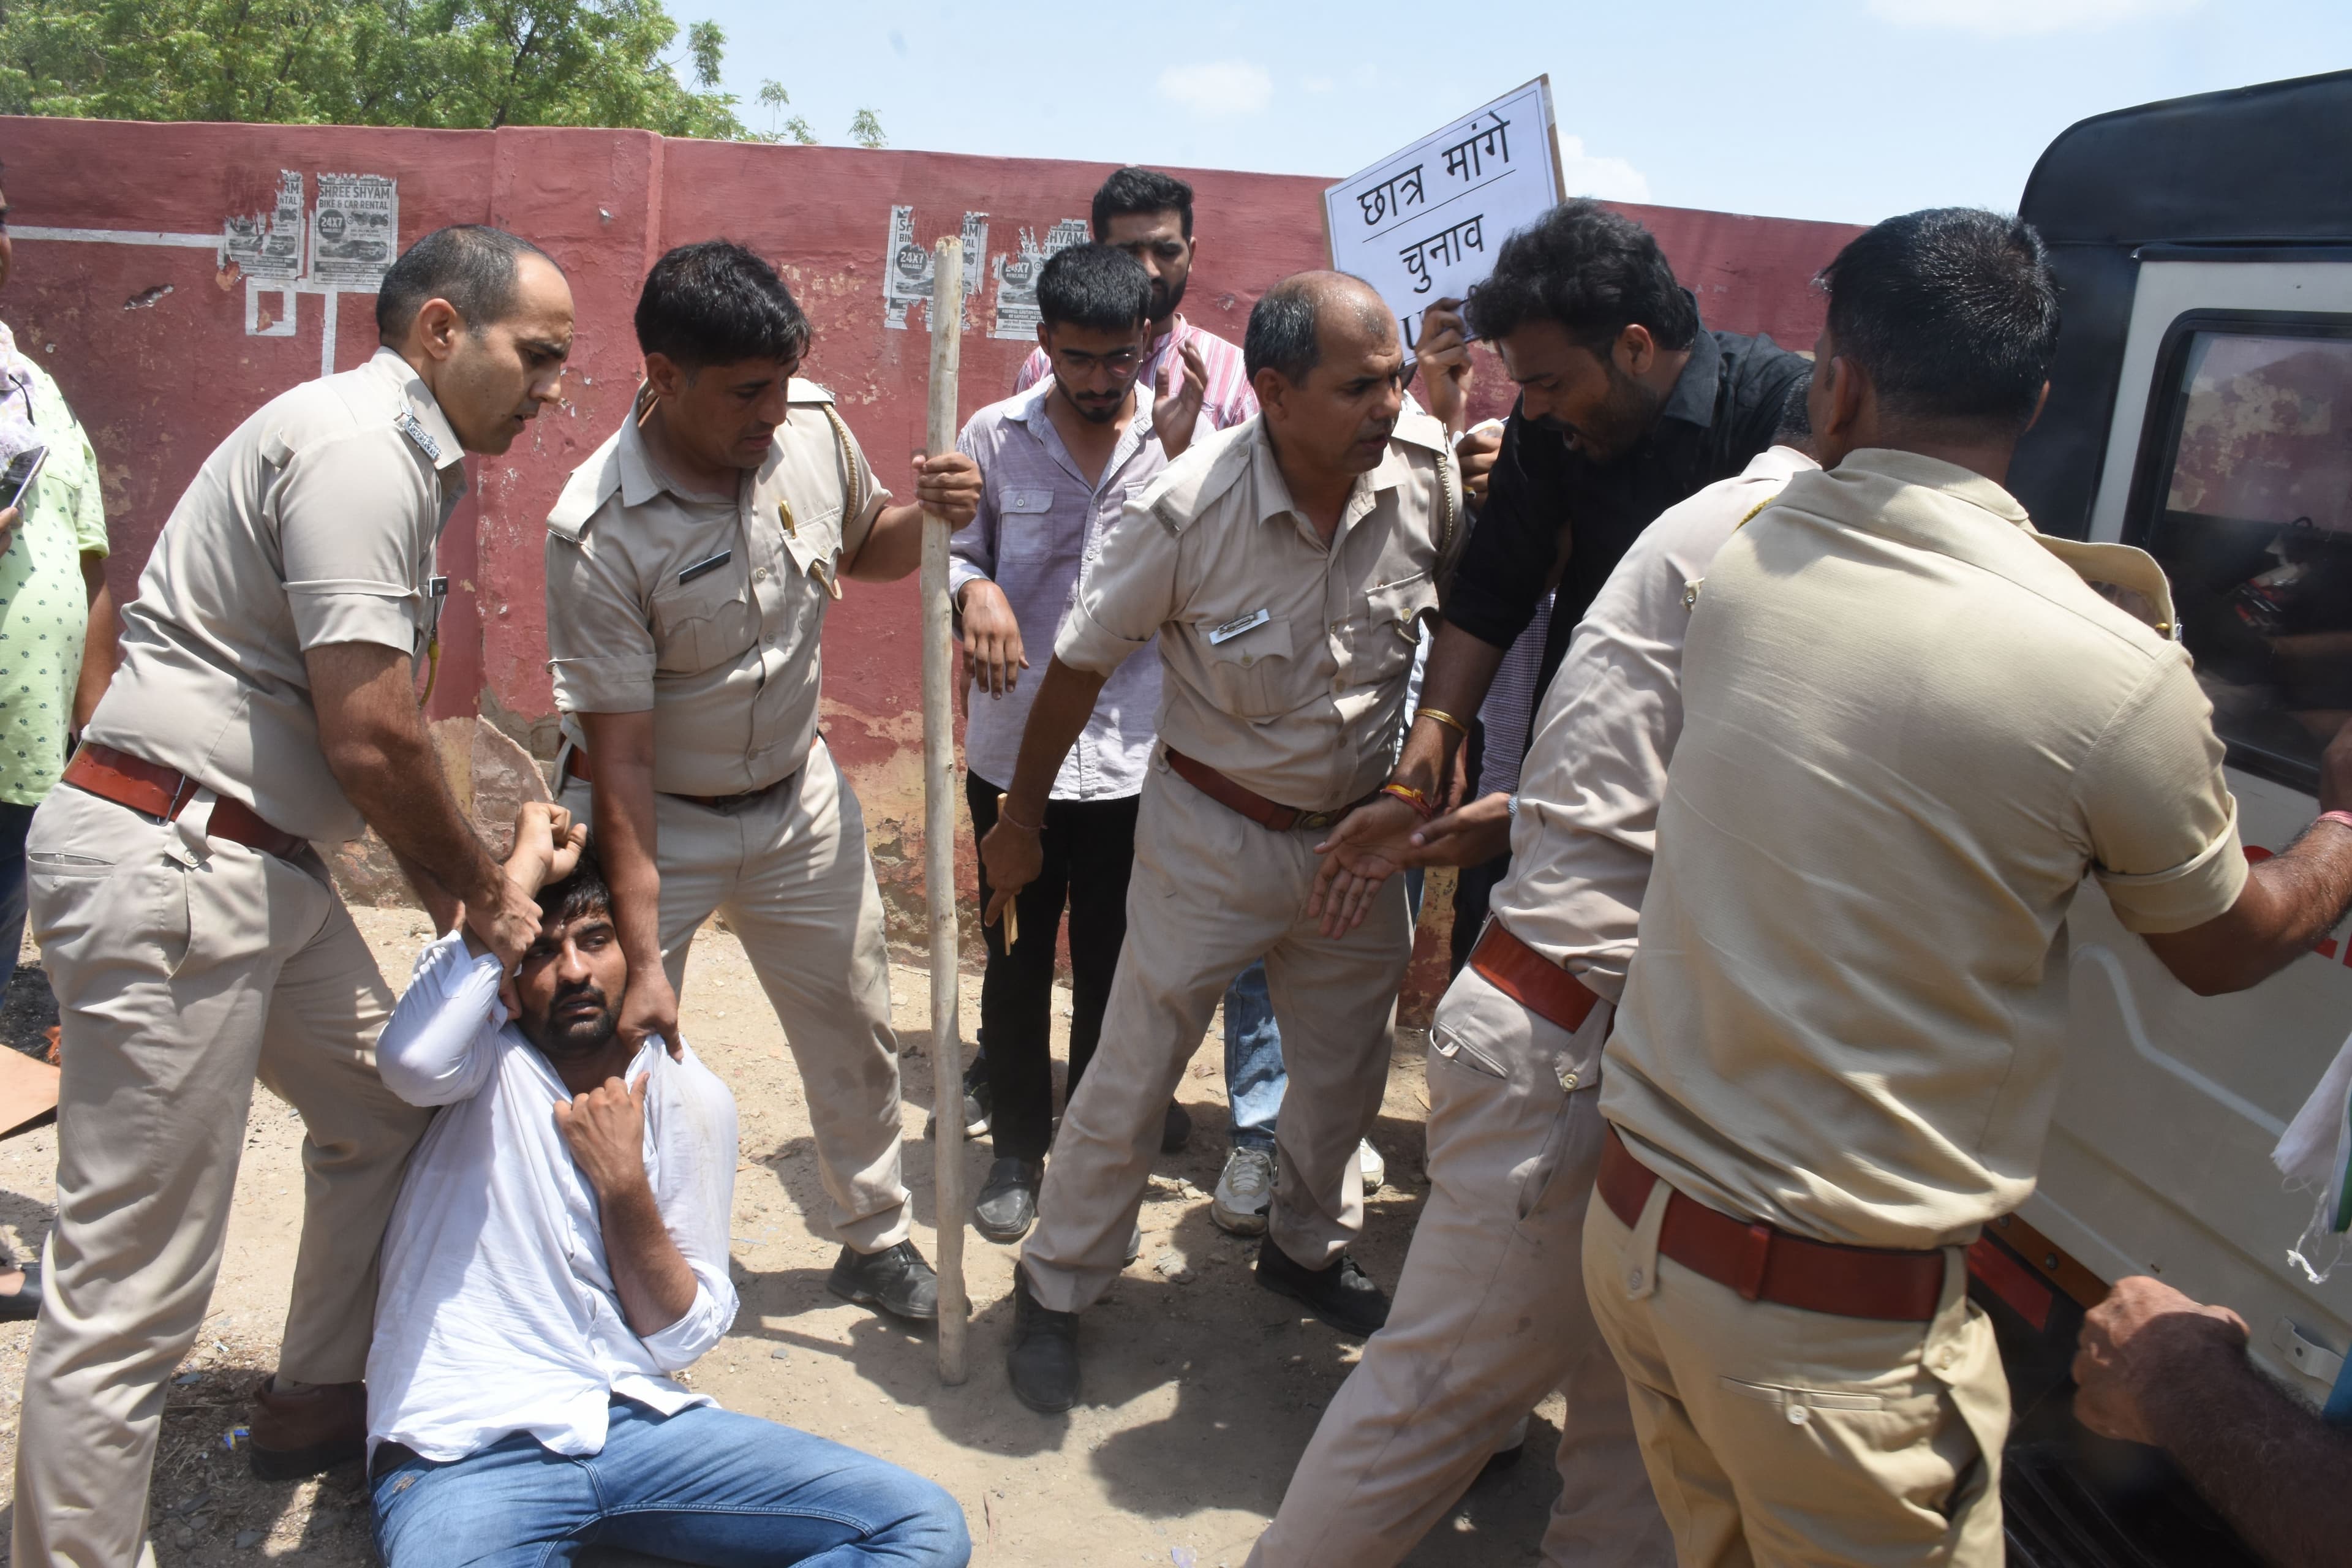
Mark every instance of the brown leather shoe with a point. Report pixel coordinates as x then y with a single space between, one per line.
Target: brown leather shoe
300 1434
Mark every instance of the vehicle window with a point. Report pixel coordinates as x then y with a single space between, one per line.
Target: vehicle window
2251 514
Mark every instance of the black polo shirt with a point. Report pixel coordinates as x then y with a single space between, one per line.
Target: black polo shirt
1722 410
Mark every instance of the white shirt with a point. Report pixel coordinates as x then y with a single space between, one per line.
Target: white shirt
497 1313
1588 792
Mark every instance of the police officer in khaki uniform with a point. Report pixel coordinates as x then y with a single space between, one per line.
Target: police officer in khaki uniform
689 565
1913 728
1284 565
265 699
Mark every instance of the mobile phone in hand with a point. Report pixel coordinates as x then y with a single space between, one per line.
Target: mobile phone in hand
17 478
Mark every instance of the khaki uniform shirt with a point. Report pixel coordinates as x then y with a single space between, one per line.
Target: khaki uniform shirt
706 610
1586 821
313 523
1283 661
1909 731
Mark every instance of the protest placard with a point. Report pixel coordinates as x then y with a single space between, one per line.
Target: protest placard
1425 223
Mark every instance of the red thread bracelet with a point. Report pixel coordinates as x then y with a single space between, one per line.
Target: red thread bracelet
1411 797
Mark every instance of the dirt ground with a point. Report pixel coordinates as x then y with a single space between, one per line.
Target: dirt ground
1201 1388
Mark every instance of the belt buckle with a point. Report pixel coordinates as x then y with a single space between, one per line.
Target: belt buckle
1315 819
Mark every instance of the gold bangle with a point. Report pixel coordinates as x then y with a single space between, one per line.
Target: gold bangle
1443 717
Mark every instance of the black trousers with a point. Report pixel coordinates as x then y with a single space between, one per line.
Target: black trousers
1090 849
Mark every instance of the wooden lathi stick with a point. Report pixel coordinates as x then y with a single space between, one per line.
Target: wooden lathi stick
938 819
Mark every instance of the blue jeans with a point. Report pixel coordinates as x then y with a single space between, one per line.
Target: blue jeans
1253 1077
705 1486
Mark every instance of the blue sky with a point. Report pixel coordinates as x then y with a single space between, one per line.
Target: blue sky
1844 109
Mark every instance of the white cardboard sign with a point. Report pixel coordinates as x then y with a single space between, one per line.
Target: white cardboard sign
1423 224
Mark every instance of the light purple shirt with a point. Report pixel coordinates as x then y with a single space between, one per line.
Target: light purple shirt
1039 523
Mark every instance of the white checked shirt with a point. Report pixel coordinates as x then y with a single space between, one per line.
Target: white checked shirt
498 1313
1039 524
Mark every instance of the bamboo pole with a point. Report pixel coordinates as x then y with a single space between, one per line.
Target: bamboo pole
938 819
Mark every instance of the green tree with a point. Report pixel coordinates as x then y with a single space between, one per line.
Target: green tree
444 63
866 129
781 128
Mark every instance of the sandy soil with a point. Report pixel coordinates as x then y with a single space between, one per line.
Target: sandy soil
1200 1387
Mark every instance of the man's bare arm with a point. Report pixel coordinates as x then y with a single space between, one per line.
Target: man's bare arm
101 644
442 907
621 774
2289 901
2154 1366
947 486
375 743
606 1130
1372 842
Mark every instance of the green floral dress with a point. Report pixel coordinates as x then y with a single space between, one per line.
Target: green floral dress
44 604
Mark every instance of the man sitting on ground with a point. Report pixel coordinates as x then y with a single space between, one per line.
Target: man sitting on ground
558 1250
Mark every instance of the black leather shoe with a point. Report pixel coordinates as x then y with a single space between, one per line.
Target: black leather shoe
299 1434
1044 1361
896 1280
1341 1295
24 1304
1007 1206
1177 1131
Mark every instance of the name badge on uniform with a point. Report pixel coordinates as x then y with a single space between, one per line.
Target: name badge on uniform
704 568
408 426
1239 624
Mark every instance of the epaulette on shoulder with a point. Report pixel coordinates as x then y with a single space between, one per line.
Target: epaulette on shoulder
1208 468
1421 430
591 484
806 393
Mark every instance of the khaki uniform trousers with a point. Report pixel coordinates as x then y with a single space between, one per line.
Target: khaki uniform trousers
790 872
1782 1437
1212 893
1489 1318
178 984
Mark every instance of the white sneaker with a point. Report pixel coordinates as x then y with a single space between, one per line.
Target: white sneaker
1244 1193
1375 1169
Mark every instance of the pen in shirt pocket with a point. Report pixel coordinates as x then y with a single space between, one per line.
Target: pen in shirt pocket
702 568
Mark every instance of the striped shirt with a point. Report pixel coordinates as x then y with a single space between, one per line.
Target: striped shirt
1228 400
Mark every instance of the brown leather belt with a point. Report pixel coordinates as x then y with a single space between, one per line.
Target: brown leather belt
575 766
1530 979
158 792
1269 815
1767 1265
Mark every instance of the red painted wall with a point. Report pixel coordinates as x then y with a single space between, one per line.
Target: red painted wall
159 378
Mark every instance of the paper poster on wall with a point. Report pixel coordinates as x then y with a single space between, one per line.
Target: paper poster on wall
1016 277
1423 224
907 268
354 231
267 244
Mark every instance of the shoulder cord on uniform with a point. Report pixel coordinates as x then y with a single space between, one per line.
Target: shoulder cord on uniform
856 497
1449 480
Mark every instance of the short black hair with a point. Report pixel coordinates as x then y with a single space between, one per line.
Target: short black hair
1951 311
582 894
719 303
1796 424
1286 328
1098 287
471 265
1593 271
1133 190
